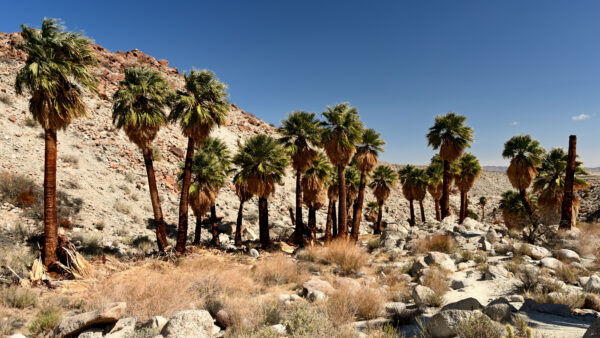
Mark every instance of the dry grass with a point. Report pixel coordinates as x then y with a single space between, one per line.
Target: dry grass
278 269
568 273
347 304
588 240
346 255
436 279
398 289
441 243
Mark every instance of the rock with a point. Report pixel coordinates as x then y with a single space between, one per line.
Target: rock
504 300
464 304
316 295
550 263
457 284
537 252
254 253
517 298
365 325
123 328
422 294
156 322
554 309
495 272
568 255
529 305
592 302
19 335
222 319
441 259
189 324
593 284
485 245
418 265
318 285
92 333
280 329
499 312
249 235
283 297
78 323
443 324
594 330
394 309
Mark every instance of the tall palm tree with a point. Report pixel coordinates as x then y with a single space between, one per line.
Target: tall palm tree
197 109
469 169
244 194
262 162
352 185
57 61
525 156
435 174
371 212
301 133
513 209
550 181
482 204
139 109
414 186
382 182
419 185
366 160
342 131
314 182
449 134
332 196
217 148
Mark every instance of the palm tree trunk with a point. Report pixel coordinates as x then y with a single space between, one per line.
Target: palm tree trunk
463 205
299 231
161 233
334 222
357 215
312 224
531 213
566 217
342 210
438 215
238 224
50 211
377 229
183 202
482 213
263 211
198 231
214 226
330 212
412 213
422 211
446 190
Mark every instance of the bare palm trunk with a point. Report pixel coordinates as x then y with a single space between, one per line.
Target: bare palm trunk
161 233
357 215
342 209
183 202
198 231
377 229
263 211
291 211
412 213
238 224
438 215
50 211
531 213
214 226
446 190
312 224
566 218
422 211
330 212
482 213
334 222
299 231
463 206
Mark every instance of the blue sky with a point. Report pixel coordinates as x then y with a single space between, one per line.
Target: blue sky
510 66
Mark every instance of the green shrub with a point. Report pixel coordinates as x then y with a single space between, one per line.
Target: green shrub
479 325
45 320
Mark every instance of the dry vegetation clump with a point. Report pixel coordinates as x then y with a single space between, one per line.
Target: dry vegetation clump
479 325
588 240
436 279
305 320
398 289
441 243
569 274
346 255
45 320
278 269
348 304
18 297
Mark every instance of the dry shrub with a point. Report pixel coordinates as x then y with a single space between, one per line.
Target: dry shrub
587 241
398 289
161 288
441 243
479 325
347 304
568 273
244 313
309 321
345 254
436 279
18 297
277 269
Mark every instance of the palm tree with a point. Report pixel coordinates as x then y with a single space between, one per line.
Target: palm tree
314 181
332 196
197 109
371 212
352 183
550 181
57 61
139 109
469 169
513 210
217 148
343 130
414 186
244 194
435 174
419 184
301 132
366 160
526 155
262 162
482 203
450 134
384 178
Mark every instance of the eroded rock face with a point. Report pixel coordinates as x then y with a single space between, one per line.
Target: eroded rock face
189 324
78 323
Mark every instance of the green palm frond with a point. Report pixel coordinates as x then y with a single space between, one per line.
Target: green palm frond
525 147
552 171
352 175
320 168
450 129
467 166
342 125
405 173
435 171
300 128
512 203
383 175
371 142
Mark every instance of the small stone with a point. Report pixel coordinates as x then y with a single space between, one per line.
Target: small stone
222 319
316 295
593 284
254 253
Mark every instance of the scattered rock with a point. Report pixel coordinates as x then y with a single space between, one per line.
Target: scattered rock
443 324
189 324
499 312
550 263
254 253
568 255
222 319
124 328
594 330
464 304
494 272
592 284
316 284
422 294
78 323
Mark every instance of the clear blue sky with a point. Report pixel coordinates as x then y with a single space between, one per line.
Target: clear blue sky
510 66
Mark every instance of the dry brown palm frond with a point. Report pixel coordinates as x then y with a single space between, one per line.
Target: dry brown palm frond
142 137
338 155
419 193
201 200
261 186
381 193
515 221
351 192
242 191
436 191
302 158
449 151
407 191
465 183
319 201
521 173
197 131
549 208
366 161
333 192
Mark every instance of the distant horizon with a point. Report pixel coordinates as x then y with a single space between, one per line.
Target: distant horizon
510 67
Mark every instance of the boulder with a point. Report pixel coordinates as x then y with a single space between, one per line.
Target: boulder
91 333
594 330
156 322
316 295
222 319
443 324
422 294
464 304
457 284
484 245
78 323
189 324
568 255
123 328
418 265
495 272
554 309
441 259
316 284
592 302
394 309
550 263
499 312
592 284
280 329
534 251
471 224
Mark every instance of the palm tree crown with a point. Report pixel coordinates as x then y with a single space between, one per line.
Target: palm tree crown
202 105
343 130
367 151
551 173
300 132
383 179
468 169
140 104
57 60
450 134
526 155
